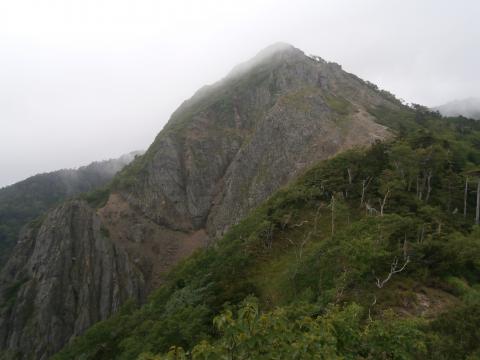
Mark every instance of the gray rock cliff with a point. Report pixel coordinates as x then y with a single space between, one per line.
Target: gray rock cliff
223 152
64 276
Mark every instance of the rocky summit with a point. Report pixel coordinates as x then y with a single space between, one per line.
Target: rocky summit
223 152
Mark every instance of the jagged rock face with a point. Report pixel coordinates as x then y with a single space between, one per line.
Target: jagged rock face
223 152
233 143
62 278
27 199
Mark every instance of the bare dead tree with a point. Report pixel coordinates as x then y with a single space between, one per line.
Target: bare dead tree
371 306
299 248
365 184
422 188
370 209
268 236
394 269
429 187
349 176
476 175
409 185
322 185
477 213
400 170
300 245
422 234
300 224
384 201
380 234
418 187
465 197
349 172
332 208
317 215
341 288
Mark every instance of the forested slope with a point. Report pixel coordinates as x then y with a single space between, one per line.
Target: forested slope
372 254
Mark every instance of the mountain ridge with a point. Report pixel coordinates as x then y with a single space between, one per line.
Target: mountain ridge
370 254
221 154
469 107
25 200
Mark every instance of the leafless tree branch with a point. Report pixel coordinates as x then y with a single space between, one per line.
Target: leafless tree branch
393 270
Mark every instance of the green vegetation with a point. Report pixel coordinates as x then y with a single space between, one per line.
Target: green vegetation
97 198
373 254
25 201
338 104
292 332
301 99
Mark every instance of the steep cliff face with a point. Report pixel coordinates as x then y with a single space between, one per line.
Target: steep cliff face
233 143
63 276
27 199
222 153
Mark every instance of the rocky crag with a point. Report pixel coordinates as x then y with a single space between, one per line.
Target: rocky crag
24 201
223 152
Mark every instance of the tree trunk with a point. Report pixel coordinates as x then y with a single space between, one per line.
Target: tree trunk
429 187
477 215
365 184
363 193
422 188
333 214
382 204
418 190
465 196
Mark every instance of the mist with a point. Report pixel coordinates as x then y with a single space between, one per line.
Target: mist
90 80
469 107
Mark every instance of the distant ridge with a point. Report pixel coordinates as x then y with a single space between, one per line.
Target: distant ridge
25 200
469 108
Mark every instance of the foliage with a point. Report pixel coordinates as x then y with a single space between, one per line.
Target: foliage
294 333
97 198
341 264
27 200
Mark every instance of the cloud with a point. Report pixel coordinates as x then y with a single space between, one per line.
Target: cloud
90 80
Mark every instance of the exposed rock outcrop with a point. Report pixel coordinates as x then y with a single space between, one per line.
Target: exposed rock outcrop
233 143
63 276
222 153
27 199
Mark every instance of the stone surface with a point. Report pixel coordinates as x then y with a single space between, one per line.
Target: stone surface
235 142
223 152
62 278
22 202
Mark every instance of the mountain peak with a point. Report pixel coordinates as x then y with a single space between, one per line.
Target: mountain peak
223 152
274 52
275 48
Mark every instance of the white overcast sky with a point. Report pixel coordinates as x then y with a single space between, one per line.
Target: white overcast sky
92 79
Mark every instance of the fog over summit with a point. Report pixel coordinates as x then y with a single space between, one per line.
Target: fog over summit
86 81
297 198
466 107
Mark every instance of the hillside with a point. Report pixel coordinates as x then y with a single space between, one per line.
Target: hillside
469 108
373 254
222 153
26 200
